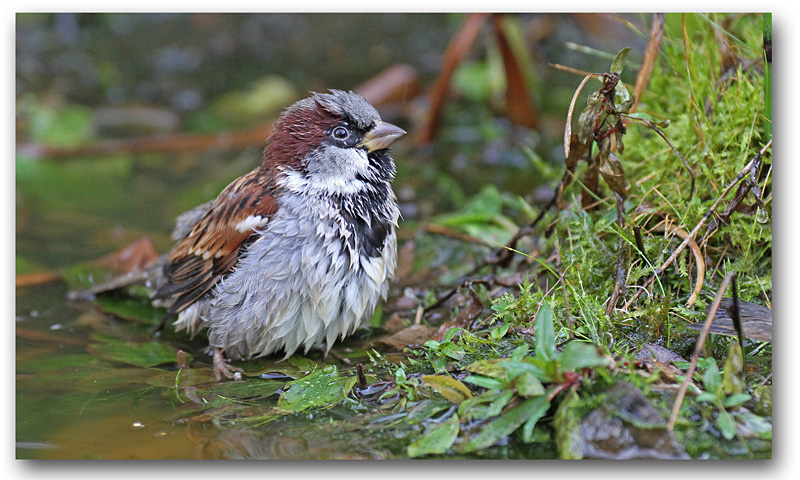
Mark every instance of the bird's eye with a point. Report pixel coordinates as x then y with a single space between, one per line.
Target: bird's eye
340 133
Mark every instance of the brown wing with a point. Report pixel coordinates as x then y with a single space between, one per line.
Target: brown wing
212 247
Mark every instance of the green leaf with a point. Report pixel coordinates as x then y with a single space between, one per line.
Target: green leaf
436 440
544 333
451 332
733 376
505 424
496 334
619 61
135 309
519 353
578 355
528 385
485 382
486 405
448 387
706 397
538 410
488 368
452 350
736 400
726 424
322 388
148 354
515 369
712 379
425 409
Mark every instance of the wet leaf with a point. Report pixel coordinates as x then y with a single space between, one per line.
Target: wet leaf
506 424
425 409
539 408
436 440
238 390
448 387
148 354
322 388
486 405
136 309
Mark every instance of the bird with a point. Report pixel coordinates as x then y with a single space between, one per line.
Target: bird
297 253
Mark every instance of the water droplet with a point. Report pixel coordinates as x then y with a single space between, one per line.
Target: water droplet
762 216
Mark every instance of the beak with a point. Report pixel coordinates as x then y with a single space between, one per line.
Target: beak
381 136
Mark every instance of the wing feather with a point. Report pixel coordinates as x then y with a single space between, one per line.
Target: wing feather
212 246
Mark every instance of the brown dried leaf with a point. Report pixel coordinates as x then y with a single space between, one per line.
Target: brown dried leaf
611 169
520 107
136 256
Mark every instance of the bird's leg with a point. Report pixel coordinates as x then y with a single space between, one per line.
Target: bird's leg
223 368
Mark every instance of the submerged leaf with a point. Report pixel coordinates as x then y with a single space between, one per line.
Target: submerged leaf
436 440
148 354
507 423
323 388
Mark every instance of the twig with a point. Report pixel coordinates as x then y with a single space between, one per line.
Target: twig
698 349
699 225
698 257
619 271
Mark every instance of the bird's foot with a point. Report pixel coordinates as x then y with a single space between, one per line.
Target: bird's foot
223 369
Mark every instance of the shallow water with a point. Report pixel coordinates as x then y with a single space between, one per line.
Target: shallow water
72 400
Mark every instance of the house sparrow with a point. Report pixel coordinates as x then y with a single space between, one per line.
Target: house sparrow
298 252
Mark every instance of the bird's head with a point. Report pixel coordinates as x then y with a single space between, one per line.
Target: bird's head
331 142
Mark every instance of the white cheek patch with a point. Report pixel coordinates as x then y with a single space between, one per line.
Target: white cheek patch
252 223
332 171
